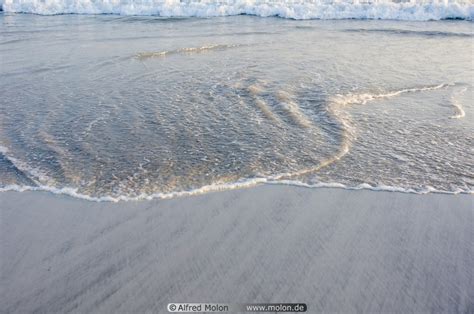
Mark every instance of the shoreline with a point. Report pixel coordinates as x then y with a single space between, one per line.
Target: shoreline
337 250
216 188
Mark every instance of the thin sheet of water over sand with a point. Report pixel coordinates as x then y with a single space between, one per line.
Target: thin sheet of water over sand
125 108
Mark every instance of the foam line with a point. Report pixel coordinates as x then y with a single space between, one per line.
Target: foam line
223 187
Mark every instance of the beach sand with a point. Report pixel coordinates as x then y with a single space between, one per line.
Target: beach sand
337 250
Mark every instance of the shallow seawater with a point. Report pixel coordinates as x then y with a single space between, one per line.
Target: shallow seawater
120 107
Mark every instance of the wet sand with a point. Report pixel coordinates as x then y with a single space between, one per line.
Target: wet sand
336 250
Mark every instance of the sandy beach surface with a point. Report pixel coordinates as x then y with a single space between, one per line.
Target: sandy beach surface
339 251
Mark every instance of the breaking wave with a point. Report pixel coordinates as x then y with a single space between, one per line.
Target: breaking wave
416 10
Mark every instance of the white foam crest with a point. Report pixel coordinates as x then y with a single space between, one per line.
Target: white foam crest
363 98
293 9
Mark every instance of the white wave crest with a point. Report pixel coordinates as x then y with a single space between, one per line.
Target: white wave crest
293 9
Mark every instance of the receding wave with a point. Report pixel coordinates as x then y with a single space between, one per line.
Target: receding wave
293 9
336 107
190 50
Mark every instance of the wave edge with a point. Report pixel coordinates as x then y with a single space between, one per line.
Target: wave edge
226 187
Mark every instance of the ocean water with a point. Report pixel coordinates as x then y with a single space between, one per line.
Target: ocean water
121 107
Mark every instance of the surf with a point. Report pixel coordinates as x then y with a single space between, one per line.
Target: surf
336 107
414 10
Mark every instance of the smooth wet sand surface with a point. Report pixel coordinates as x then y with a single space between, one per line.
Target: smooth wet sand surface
339 251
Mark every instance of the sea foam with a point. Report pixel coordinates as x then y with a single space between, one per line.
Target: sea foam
421 10
241 184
